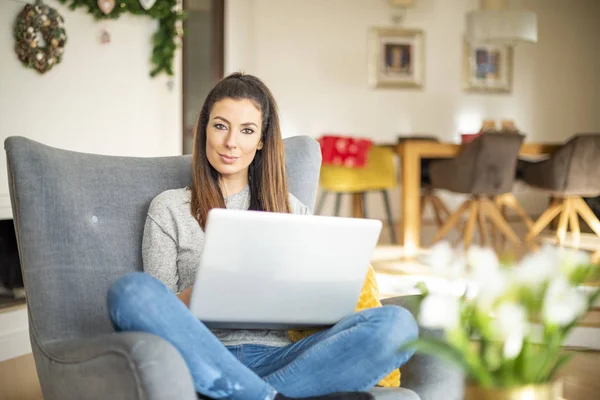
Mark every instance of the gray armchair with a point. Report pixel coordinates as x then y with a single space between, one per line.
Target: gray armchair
79 221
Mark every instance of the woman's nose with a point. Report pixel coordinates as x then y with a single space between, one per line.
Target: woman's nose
230 141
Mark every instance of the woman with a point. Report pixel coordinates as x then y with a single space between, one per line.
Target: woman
238 163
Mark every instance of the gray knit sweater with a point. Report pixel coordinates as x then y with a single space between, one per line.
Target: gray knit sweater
172 245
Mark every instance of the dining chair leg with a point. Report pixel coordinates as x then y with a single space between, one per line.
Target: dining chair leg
574 225
563 221
587 214
497 219
544 220
470 228
338 204
452 221
363 196
423 203
441 207
321 203
482 228
439 221
595 257
510 201
495 236
388 211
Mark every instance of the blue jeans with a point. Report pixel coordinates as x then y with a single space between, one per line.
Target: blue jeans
353 355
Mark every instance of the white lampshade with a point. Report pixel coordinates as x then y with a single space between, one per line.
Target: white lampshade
501 26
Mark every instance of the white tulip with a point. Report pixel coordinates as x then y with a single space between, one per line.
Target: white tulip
491 288
490 280
440 312
510 325
444 260
563 303
512 346
537 268
440 255
510 318
482 259
570 260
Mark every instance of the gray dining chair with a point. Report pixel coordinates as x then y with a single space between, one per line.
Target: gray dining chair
484 169
571 173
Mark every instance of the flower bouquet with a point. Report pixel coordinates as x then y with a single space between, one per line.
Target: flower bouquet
507 330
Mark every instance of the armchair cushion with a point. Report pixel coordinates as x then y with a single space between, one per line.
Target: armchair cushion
117 366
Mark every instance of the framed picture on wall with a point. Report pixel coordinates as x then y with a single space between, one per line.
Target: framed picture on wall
396 58
487 67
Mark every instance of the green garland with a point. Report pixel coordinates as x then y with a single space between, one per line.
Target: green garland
164 40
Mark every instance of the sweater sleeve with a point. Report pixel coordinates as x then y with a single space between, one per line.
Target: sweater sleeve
159 254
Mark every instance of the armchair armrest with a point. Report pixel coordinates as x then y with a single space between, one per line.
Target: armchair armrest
128 365
430 377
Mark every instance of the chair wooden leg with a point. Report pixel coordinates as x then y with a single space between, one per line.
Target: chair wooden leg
424 199
552 201
510 200
338 204
452 221
499 221
595 257
321 203
388 211
587 214
501 205
482 227
437 213
357 205
544 219
442 212
363 202
563 220
495 237
470 224
574 225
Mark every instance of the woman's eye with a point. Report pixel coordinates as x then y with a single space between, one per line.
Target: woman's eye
220 126
247 131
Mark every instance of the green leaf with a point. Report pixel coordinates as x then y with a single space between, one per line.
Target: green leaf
437 348
562 360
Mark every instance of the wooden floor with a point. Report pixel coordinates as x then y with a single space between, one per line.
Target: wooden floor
18 379
581 377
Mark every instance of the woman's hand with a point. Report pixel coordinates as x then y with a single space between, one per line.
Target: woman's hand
185 296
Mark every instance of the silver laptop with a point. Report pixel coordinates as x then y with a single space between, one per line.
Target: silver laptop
262 270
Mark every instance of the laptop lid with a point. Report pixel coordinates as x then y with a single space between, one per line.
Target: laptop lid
262 270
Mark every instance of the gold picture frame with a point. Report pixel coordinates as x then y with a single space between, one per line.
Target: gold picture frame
396 58
487 67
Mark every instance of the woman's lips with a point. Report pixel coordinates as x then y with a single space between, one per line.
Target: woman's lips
228 159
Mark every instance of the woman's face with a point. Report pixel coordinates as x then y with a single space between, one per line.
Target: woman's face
233 135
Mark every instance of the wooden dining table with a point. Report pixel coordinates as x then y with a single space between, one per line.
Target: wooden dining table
411 151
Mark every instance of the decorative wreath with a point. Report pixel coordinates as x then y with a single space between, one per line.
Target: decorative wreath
33 22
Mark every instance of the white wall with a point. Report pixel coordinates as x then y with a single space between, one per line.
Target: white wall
99 99
313 56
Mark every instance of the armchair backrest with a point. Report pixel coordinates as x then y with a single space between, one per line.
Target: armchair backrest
79 221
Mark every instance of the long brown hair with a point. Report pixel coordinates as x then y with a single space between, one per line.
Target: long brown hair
266 173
